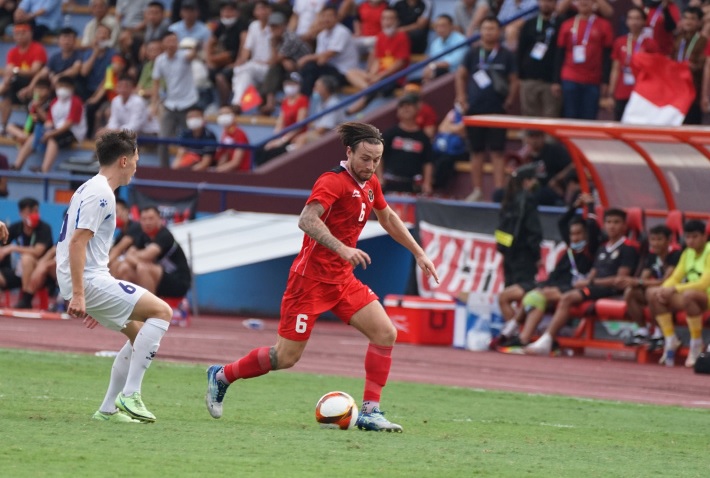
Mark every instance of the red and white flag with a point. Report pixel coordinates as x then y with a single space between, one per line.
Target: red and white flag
663 91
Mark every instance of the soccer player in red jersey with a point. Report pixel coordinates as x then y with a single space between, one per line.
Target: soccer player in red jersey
322 278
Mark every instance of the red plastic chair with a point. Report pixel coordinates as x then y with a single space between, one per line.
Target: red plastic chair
674 222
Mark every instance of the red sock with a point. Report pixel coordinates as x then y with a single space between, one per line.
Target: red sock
378 361
253 364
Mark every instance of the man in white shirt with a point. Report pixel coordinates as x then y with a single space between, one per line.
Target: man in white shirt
100 11
336 53
305 13
128 109
95 296
255 55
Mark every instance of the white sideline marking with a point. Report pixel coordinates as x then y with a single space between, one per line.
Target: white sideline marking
556 425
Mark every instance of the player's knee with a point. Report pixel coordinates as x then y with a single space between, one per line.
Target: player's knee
386 336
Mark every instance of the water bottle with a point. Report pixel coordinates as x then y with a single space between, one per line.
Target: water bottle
253 324
670 358
180 313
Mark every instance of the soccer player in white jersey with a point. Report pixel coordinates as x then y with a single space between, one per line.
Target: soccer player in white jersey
95 296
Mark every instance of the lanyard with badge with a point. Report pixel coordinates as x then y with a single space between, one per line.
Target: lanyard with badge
579 52
683 52
540 48
648 31
628 74
481 77
576 275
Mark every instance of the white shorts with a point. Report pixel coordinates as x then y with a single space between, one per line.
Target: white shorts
111 302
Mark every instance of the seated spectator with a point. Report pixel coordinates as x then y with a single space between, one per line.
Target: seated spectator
45 16
96 62
406 165
446 37
130 15
658 266
189 25
287 49
65 62
615 259
4 166
231 159
191 156
145 80
37 112
65 125
414 17
30 238
448 147
156 261
7 13
294 108
553 167
327 89
487 83
367 24
44 275
390 55
107 92
304 18
335 55
621 79
534 299
100 12
23 62
223 47
255 55
202 7
156 24
463 14
685 290
128 233
427 118
128 110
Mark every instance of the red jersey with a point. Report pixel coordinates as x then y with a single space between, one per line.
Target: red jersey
620 53
390 49
347 205
234 135
426 116
290 108
657 29
591 36
369 16
24 59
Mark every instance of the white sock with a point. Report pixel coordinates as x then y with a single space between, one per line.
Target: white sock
367 407
144 349
545 340
119 371
642 332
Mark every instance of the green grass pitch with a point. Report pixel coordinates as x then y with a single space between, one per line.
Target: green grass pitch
268 429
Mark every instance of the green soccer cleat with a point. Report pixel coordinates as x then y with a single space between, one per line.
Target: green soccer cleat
133 406
117 417
375 421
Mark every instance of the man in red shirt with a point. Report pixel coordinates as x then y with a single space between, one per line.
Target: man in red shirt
23 61
390 55
584 62
322 278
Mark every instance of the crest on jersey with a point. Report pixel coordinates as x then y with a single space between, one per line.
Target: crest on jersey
370 195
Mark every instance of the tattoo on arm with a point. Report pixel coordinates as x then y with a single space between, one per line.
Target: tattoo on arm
313 225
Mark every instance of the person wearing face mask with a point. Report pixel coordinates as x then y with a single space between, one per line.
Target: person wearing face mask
294 108
524 305
195 157
65 125
231 159
156 261
30 238
100 12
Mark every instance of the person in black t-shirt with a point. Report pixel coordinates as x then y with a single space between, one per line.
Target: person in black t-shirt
658 266
407 157
156 261
30 238
129 233
554 165
616 258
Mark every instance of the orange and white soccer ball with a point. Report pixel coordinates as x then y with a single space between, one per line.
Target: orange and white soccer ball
336 410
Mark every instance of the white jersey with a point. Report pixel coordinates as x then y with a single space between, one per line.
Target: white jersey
93 207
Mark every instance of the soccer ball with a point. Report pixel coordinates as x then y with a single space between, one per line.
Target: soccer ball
336 410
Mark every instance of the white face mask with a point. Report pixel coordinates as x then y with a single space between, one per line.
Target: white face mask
389 31
225 119
105 44
195 123
228 22
63 93
291 90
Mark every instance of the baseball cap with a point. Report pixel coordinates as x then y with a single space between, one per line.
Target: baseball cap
277 18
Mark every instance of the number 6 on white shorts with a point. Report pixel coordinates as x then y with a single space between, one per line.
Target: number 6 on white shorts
301 323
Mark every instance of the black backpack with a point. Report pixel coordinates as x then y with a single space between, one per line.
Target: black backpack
702 364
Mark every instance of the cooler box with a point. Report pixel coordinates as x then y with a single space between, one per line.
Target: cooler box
421 321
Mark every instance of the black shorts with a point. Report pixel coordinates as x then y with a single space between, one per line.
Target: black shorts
16 84
12 281
481 139
65 139
173 285
594 292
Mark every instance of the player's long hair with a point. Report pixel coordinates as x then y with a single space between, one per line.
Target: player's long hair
114 145
354 133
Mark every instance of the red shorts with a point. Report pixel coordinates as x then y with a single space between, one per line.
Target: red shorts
305 299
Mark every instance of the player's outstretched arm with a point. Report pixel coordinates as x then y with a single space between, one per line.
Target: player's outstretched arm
311 223
390 222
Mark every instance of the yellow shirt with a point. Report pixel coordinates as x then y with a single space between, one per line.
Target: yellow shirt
681 272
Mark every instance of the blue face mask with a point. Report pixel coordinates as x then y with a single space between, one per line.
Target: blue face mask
578 246
315 96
